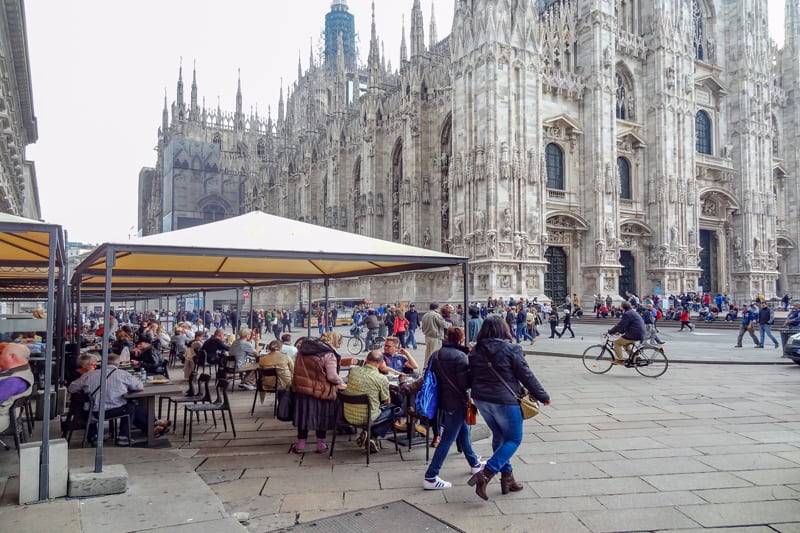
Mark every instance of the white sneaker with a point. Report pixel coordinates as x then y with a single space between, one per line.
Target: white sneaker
436 483
478 467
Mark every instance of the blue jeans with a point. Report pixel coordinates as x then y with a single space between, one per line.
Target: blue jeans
766 329
522 332
505 421
455 430
411 338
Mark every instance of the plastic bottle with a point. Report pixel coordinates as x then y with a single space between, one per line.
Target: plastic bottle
144 375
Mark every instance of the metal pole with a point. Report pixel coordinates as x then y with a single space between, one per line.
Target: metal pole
308 331
327 310
101 415
465 270
44 457
235 327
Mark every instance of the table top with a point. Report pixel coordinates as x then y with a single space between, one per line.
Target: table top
156 389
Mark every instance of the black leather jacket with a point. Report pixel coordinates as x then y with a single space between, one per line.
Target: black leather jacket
509 361
451 367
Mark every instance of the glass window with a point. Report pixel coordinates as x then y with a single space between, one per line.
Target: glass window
555 166
622 99
624 171
702 126
698 37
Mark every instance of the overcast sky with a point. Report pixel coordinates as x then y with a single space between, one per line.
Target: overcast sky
100 69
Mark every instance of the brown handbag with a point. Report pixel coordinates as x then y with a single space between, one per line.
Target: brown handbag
527 403
471 418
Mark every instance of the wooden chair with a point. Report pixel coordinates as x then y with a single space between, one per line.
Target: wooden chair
261 373
363 401
221 405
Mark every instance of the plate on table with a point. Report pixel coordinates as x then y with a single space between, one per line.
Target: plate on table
158 381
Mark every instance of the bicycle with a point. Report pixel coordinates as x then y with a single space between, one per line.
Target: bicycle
648 360
357 342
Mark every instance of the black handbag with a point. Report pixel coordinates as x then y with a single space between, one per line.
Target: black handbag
285 399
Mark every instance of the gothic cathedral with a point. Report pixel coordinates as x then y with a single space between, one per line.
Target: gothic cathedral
564 146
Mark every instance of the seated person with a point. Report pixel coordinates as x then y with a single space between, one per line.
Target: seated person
118 384
396 358
242 349
732 315
147 357
179 341
281 362
214 345
122 341
602 311
86 363
368 380
189 355
16 378
286 346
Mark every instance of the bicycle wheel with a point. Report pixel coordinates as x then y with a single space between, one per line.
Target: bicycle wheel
598 359
355 345
650 361
377 342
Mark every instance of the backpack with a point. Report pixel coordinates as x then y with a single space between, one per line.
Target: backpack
428 396
659 314
771 317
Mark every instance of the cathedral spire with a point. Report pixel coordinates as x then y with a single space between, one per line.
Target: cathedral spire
433 37
374 61
792 24
239 116
179 99
165 114
417 31
403 49
299 64
280 106
194 90
310 53
340 53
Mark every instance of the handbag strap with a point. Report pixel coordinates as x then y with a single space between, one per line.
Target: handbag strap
496 373
450 381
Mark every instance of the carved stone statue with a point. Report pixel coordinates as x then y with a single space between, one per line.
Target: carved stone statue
406 237
426 238
491 243
426 191
480 219
370 204
673 235
379 205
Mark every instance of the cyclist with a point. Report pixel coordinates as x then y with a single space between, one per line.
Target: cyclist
631 330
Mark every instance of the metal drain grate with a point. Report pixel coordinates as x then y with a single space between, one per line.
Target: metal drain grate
375 519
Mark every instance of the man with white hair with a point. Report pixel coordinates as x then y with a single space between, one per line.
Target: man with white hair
16 378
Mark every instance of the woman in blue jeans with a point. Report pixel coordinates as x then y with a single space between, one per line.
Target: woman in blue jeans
451 367
494 363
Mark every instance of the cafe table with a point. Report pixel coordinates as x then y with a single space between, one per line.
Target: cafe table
149 394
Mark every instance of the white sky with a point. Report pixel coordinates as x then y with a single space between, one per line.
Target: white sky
100 69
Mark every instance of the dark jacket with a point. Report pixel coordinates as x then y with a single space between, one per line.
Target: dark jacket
413 319
630 325
509 361
451 366
765 316
372 322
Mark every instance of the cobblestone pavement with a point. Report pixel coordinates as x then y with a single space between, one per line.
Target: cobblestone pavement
704 446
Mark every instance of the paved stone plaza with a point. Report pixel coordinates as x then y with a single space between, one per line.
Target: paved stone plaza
704 446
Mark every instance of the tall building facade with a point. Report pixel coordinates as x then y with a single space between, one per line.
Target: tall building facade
564 146
19 193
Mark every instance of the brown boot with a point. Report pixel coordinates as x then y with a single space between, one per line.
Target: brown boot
480 481
508 483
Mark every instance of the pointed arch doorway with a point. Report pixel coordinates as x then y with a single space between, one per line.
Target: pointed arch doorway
555 279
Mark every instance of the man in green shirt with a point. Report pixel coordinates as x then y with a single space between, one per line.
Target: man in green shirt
368 380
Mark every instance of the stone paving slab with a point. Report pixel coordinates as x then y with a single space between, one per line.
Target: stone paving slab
645 467
708 480
743 513
592 487
748 494
770 477
650 499
536 505
538 523
746 461
635 519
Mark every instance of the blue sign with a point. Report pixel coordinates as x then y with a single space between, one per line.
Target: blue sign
657 290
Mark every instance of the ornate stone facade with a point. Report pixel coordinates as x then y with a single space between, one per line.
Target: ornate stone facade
565 146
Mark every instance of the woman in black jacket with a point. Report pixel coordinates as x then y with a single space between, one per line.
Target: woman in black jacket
495 365
451 367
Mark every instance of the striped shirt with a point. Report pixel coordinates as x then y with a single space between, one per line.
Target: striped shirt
118 384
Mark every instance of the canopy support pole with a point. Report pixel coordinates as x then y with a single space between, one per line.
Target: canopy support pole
49 346
465 272
308 331
101 414
327 315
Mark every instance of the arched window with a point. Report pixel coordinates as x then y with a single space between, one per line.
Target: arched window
622 98
217 140
698 37
702 127
555 166
261 148
213 212
775 137
624 171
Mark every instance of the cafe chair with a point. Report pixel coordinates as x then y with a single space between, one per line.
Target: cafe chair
198 392
221 405
16 426
361 400
173 355
204 394
227 369
112 424
201 360
75 417
261 373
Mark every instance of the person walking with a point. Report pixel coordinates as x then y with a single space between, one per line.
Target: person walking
649 318
495 365
766 317
451 368
433 326
522 324
567 324
413 323
686 319
553 320
749 318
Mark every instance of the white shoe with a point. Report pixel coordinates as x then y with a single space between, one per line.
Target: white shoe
478 467
436 483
